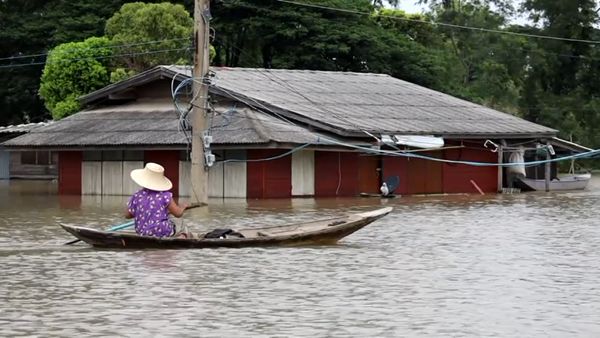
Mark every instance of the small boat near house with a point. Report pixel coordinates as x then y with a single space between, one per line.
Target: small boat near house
567 182
321 232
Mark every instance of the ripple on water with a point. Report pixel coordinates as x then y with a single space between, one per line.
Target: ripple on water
478 266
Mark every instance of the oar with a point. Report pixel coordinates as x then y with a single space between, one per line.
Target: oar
131 223
112 228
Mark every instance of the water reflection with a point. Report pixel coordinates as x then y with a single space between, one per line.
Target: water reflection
464 265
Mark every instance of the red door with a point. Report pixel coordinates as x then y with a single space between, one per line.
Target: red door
336 173
69 172
169 159
269 178
369 179
425 176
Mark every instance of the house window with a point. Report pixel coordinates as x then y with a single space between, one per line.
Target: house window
133 155
114 155
92 156
36 157
28 157
43 157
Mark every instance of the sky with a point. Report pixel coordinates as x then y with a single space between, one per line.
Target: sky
411 6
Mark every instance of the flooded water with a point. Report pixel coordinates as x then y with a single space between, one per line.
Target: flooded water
525 265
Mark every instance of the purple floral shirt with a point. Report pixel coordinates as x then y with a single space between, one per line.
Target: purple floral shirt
151 213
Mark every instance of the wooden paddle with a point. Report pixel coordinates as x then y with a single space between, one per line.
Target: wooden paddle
131 223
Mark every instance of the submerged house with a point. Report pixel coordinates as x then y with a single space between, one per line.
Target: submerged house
284 133
28 164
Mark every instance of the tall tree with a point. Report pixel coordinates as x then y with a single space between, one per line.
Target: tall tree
33 27
572 19
151 34
74 69
278 35
564 72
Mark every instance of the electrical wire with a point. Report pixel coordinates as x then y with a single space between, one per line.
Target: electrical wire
436 23
293 150
327 140
93 48
95 58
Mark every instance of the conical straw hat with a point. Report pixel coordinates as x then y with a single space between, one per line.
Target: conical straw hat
152 177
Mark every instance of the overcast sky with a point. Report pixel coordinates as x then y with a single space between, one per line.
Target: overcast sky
410 6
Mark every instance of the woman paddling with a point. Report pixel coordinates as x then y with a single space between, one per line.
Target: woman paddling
151 206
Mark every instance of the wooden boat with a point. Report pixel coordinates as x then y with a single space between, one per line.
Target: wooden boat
569 182
327 231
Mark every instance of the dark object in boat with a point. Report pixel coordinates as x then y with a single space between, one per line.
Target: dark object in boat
321 232
223 233
392 183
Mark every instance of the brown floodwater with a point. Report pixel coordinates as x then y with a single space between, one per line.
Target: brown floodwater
523 265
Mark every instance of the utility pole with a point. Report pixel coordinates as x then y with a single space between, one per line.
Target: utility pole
199 174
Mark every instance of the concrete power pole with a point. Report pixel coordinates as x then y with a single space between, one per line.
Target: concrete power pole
199 174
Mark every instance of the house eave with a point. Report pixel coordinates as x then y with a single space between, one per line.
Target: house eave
134 81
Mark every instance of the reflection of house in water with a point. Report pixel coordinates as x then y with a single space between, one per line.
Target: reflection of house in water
262 115
28 164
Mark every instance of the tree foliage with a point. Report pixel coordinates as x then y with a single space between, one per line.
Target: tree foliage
33 27
73 69
138 26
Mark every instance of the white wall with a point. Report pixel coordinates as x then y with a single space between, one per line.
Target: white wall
91 178
235 179
224 179
184 178
112 178
129 186
215 180
108 177
303 173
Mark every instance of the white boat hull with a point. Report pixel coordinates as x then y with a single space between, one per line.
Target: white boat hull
571 182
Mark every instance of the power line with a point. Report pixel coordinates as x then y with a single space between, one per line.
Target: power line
9 58
96 57
434 23
527 52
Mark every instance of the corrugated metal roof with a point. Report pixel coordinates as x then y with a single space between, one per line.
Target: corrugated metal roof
349 103
353 102
156 123
22 128
342 103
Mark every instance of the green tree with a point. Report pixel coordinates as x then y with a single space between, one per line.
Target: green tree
32 27
563 74
276 35
138 26
73 69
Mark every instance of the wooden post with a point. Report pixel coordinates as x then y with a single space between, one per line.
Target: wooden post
199 171
547 173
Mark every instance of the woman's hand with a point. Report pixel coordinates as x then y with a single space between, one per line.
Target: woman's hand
175 209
